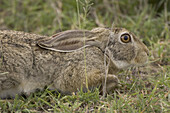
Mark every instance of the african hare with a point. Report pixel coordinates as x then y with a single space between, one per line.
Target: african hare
63 61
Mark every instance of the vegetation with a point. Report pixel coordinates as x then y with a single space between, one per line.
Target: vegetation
144 89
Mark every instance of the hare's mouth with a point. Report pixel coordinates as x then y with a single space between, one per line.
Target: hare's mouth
138 61
141 59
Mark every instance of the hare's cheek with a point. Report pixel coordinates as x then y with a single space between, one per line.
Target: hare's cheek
121 64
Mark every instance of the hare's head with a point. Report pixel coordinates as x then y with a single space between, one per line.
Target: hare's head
125 49
121 46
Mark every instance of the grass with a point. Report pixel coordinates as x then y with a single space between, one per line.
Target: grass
144 89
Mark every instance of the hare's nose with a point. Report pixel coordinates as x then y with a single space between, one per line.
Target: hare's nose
146 50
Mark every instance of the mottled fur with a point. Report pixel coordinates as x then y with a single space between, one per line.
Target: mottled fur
25 66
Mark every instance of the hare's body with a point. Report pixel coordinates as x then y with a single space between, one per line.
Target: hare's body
26 67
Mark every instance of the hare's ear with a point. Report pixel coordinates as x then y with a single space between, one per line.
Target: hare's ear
69 41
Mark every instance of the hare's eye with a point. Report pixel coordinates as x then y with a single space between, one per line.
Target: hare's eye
125 38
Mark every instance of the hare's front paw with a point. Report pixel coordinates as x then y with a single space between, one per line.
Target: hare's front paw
112 83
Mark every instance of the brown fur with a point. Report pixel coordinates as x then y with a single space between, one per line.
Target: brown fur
26 67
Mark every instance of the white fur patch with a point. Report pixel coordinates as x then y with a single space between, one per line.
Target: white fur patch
121 64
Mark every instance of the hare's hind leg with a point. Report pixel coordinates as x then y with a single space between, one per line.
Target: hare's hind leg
9 87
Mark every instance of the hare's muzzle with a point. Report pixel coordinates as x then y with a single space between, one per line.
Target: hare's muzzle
142 56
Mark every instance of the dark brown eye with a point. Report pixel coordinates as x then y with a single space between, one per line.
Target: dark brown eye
125 38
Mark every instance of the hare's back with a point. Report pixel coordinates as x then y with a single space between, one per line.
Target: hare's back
16 51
